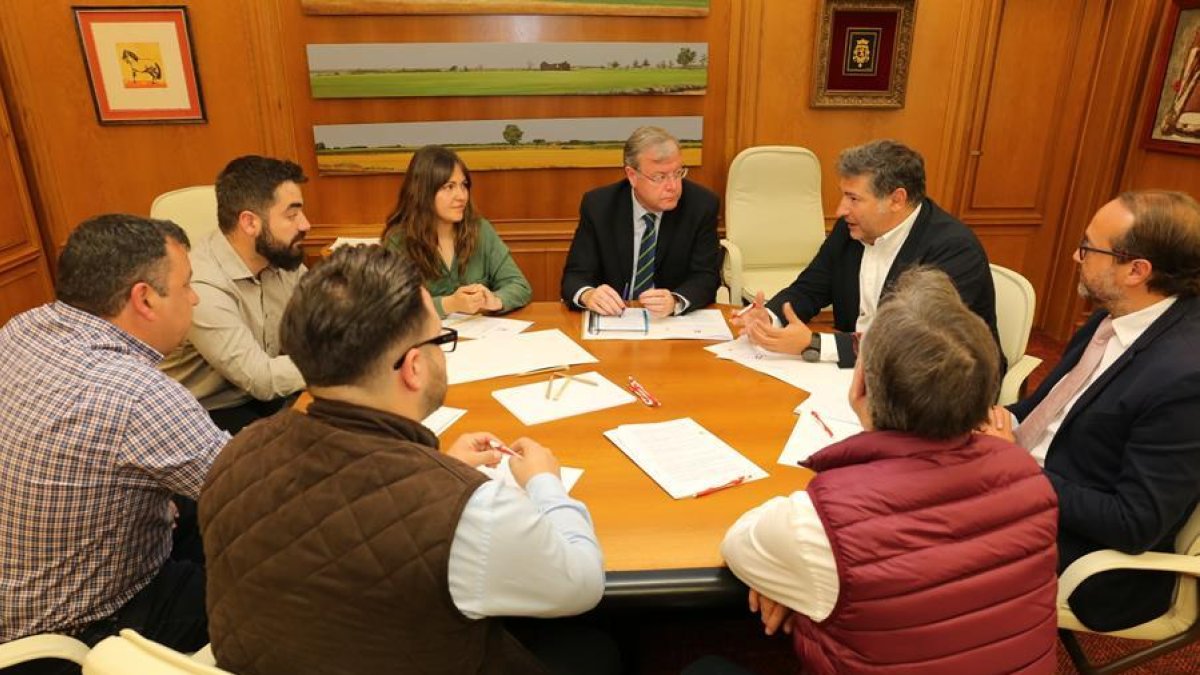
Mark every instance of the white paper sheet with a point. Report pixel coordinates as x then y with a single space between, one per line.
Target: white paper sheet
684 458
477 326
567 397
702 324
502 472
439 420
808 436
512 354
352 241
828 386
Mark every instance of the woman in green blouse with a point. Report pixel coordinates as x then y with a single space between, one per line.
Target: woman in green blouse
465 265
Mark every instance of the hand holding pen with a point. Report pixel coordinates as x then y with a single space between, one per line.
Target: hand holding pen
603 300
477 449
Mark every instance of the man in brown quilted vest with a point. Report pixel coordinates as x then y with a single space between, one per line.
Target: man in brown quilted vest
342 541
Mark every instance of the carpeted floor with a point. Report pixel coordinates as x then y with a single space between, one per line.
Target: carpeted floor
662 643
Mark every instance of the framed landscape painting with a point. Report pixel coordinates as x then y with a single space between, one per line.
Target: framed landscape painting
609 7
485 145
506 69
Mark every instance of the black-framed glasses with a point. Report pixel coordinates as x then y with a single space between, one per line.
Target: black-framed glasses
447 341
660 178
1085 248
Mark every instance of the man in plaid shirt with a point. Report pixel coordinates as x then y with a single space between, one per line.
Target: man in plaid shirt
97 440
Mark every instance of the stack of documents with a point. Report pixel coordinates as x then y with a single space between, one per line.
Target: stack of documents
477 326
562 396
684 458
501 472
636 323
513 354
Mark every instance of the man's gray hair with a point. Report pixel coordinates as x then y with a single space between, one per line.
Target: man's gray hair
930 364
648 137
890 164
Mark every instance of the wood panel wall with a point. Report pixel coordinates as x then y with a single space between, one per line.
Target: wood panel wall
1024 110
24 274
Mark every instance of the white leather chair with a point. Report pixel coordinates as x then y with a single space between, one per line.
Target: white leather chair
46 646
773 219
192 208
1178 627
131 653
1015 302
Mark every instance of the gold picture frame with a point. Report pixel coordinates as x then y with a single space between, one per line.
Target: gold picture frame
863 50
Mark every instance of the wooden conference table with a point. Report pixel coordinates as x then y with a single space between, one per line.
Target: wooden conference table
656 549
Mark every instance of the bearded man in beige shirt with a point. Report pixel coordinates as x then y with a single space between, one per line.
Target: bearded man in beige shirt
244 275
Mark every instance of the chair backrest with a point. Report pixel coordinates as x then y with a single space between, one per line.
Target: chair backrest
1188 539
773 206
192 208
1015 302
132 653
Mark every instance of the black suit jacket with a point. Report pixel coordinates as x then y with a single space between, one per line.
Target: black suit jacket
1126 462
937 239
687 259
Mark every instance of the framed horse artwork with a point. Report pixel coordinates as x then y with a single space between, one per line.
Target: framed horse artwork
140 64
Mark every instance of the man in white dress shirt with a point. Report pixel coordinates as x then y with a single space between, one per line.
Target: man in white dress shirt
885 225
342 539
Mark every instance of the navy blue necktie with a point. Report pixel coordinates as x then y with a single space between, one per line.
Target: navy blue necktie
643 274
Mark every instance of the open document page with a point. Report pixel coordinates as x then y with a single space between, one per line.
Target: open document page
814 431
684 458
636 324
512 354
478 326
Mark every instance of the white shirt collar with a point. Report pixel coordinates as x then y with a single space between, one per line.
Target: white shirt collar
895 238
1130 327
639 211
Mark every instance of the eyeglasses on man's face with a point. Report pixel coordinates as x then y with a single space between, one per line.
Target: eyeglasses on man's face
447 341
660 178
1086 247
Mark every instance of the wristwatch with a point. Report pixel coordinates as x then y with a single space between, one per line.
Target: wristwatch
812 353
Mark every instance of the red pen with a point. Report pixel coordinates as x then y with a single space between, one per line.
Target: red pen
504 449
641 392
822 423
708 491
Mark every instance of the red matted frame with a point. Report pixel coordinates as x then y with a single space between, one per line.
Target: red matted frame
140 64
863 51
1173 97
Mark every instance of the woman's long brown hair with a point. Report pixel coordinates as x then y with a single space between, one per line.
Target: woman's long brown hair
415 215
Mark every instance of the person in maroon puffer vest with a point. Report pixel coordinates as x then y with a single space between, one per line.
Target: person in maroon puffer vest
920 546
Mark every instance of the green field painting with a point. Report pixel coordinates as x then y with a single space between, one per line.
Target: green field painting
510 82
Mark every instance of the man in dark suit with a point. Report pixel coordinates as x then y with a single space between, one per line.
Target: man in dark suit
651 237
885 225
1116 423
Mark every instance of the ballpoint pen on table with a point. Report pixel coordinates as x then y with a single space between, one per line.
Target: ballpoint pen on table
708 491
642 393
822 423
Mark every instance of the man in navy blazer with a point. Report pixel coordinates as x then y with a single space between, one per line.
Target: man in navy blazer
885 225
1123 451
682 264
